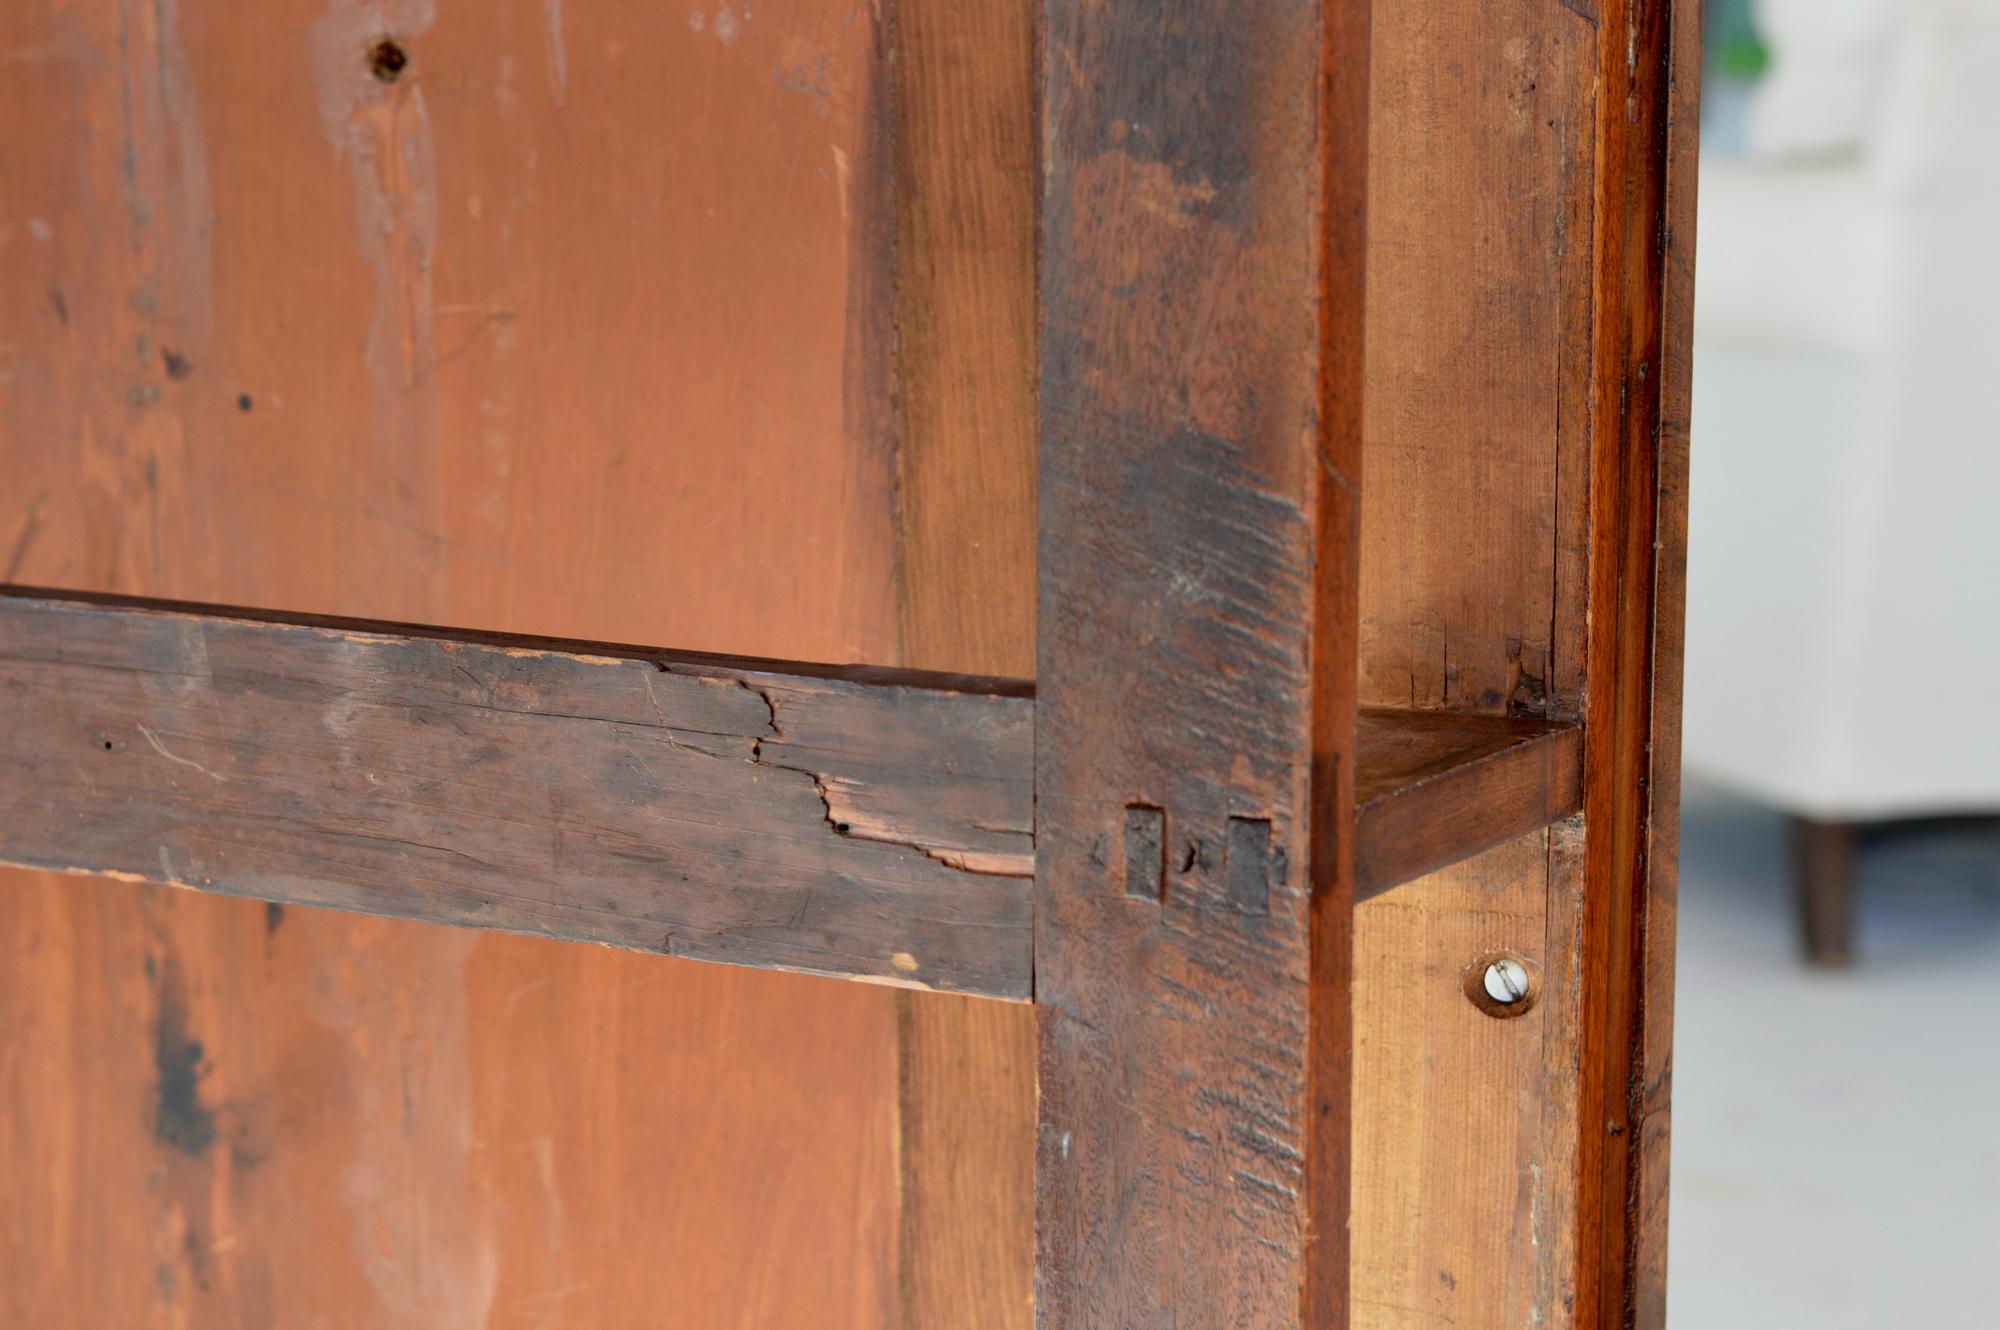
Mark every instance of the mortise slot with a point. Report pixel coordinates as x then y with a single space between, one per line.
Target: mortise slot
1145 852
1246 872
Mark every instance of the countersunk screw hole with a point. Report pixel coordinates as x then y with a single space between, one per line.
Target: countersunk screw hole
1506 981
386 60
1503 984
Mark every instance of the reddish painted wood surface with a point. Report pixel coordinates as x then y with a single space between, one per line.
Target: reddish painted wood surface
574 329
483 397
1437 787
1195 709
838 822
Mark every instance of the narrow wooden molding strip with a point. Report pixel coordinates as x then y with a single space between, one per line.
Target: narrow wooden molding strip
857 822
1435 787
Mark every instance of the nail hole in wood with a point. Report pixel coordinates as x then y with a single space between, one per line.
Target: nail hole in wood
386 60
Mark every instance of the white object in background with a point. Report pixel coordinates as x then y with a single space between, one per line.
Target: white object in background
1843 641
1825 82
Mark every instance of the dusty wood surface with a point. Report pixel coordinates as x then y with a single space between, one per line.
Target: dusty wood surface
556 334
1200 410
681 805
1435 788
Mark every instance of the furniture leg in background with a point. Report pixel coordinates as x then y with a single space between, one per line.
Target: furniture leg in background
1823 869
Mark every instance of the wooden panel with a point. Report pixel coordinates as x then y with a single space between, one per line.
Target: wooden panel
1195 709
1435 787
290 1117
562 332
1478 356
870 826
1475 561
1454 1220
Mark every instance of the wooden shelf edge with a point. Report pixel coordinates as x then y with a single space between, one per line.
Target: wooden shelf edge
1434 788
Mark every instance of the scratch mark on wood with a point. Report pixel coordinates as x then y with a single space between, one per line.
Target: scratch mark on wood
161 749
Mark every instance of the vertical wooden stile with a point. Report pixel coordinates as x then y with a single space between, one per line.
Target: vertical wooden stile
1201 296
1647 126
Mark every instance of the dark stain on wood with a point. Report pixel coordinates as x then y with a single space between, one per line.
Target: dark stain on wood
180 1120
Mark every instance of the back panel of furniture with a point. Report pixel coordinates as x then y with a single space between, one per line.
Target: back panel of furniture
717 328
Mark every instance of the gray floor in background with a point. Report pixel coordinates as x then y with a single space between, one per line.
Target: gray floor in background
1836 1137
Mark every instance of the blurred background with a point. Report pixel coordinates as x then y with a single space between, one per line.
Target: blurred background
1837 1035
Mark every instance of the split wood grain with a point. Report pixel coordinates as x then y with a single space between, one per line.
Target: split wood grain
866 823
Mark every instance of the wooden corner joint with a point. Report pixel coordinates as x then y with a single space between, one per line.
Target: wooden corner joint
1159 851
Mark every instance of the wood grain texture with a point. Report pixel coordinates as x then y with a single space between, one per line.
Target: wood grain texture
966 131
965 328
1459 1200
1200 409
1436 787
876 827
965 1151
1643 292
1475 560
1475 533
363 1113
563 332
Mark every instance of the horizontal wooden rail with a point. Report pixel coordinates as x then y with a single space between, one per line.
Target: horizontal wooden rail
1435 787
847 821
865 823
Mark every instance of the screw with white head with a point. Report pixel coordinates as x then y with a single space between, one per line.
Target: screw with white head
1503 984
1506 981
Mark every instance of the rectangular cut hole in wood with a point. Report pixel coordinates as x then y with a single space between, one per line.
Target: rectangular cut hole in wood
1247 871
1145 852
